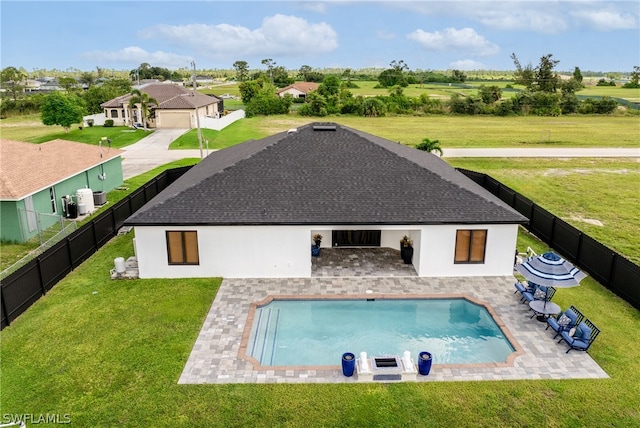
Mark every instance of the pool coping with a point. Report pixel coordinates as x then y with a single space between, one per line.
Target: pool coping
214 356
242 351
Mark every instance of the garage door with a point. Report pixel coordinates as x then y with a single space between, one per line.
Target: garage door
175 120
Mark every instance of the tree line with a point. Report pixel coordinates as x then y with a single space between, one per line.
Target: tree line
544 93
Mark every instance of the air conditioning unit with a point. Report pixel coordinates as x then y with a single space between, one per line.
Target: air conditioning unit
99 198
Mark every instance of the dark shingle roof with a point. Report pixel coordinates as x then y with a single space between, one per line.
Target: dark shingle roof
323 177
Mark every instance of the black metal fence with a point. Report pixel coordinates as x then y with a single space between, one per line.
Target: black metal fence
606 266
26 285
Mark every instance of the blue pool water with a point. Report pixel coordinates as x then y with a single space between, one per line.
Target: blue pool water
318 332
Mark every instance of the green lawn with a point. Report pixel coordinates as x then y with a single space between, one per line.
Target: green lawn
578 191
30 129
467 131
109 353
120 136
237 132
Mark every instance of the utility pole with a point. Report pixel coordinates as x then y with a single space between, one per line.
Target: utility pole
195 102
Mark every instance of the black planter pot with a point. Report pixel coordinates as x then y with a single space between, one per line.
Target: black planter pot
407 254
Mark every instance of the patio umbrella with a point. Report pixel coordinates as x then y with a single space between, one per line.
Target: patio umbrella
551 270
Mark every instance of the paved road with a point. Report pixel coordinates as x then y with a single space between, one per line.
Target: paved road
153 151
542 153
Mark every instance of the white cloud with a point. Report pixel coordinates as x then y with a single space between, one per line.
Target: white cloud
539 16
467 64
606 20
385 35
538 20
136 55
279 35
452 40
316 7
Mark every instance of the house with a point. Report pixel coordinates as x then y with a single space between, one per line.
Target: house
177 107
252 209
35 178
298 89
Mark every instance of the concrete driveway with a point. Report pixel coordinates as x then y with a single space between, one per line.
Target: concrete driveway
153 151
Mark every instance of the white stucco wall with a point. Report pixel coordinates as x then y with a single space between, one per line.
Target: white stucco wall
285 251
438 247
230 252
296 93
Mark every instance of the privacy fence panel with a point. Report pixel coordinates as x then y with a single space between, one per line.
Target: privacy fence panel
55 264
541 223
104 228
22 288
137 199
625 273
19 291
82 245
605 265
523 205
566 239
598 259
121 211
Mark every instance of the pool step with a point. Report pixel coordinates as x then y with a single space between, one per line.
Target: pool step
263 346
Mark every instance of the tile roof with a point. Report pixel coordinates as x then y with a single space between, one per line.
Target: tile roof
323 174
27 168
305 87
169 96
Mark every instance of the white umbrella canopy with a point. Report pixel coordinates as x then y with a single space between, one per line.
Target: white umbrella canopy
551 270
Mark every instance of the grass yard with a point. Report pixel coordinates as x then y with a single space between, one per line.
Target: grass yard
451 131
583 192
30 129
237 132
109 353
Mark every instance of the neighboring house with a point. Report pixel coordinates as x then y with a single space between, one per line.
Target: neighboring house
35 177
32 85
177 107
298 89
251 210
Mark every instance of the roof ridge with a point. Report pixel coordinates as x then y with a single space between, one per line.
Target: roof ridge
324 173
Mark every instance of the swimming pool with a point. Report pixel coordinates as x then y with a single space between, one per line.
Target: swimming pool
316 332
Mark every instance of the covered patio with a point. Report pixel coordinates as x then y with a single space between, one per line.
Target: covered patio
365 261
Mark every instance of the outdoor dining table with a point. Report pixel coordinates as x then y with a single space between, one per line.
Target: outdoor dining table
543 309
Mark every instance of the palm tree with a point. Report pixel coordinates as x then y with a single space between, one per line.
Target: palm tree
430 146
144 100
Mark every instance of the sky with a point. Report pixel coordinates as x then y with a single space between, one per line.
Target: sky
428 35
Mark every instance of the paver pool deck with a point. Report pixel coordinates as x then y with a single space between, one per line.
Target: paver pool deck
215 356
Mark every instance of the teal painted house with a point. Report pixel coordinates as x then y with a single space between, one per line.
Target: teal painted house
36 178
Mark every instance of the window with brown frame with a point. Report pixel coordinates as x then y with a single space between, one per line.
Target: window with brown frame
182 247
470 246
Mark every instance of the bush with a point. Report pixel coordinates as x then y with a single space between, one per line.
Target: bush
603 82
108 123
606 105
